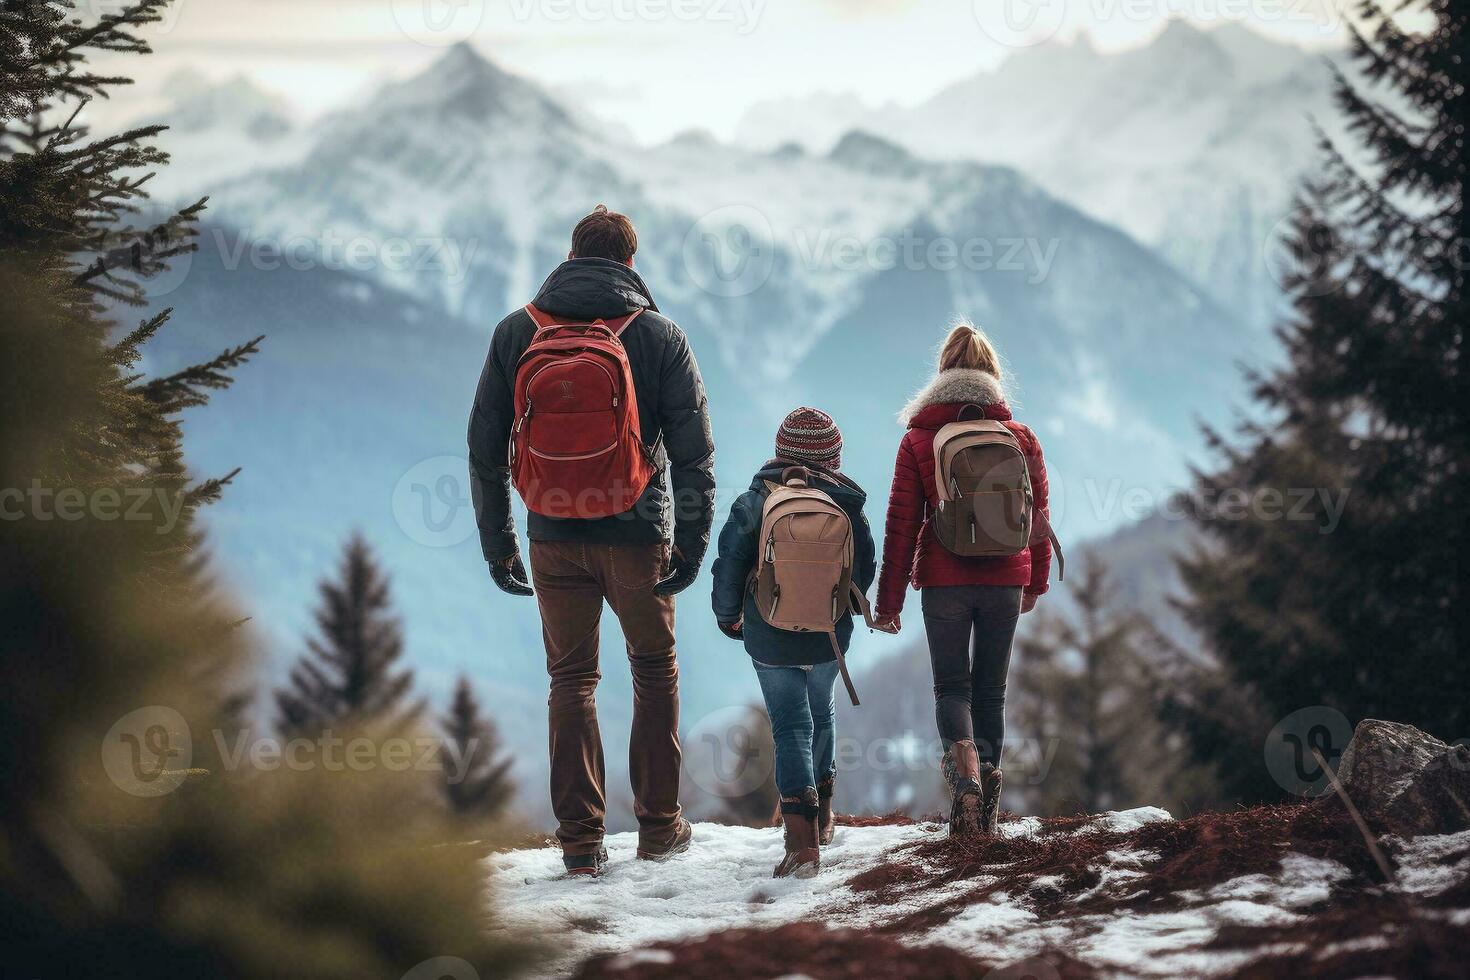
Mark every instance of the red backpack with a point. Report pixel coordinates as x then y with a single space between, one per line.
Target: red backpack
576 449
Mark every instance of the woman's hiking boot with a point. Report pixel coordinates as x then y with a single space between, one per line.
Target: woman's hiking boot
964 811
990 798
585 865
826 822
799 816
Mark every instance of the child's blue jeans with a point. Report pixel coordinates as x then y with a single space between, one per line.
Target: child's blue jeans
803 722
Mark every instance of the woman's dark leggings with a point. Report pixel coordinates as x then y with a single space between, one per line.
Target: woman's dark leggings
970 682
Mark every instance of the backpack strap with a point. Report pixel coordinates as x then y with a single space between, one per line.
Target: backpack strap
861 600
620 323
864 607
616 324
1056 546
842 668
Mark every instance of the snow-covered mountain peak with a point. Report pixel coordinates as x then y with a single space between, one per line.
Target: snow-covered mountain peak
465 85
462 67
696 137
1178 34
861 150
235 105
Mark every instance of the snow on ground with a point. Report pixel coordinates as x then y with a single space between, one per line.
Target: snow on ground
724 882
1422 868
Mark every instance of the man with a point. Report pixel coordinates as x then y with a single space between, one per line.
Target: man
624 558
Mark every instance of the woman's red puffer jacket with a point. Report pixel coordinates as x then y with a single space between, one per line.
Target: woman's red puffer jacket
910 551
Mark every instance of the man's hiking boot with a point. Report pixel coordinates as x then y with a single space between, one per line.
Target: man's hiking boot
826 823
678 844
964 811
803 855
585 865
990 798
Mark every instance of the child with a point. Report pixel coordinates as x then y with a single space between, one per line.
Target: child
796 670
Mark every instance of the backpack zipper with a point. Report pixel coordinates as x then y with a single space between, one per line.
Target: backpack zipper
574 456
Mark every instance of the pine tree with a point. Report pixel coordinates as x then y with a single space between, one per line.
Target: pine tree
105 614
350 675
477 779
69 209
1085 688
1365 614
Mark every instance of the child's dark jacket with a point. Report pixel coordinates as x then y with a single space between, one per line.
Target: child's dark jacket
738 550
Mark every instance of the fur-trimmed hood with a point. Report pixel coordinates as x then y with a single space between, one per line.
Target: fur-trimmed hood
957 386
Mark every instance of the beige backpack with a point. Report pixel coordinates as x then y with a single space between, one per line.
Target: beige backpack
986 508
803 573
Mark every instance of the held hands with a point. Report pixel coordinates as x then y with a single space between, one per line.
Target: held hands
888 624
509 575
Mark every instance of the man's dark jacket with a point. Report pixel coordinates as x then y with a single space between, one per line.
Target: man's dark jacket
671 405
739 550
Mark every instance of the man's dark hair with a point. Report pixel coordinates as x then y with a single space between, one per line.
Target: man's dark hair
604 234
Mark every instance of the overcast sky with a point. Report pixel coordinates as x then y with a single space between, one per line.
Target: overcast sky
660 66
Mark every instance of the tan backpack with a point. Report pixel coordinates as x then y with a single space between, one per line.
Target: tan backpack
803 573
986 509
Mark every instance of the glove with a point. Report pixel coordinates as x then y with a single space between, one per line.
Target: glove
1028 602
682 573
509 575
735 630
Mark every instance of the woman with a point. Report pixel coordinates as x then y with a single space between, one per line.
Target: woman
970 605
796 670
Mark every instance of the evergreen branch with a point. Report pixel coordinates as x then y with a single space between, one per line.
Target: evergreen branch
209 491
125 351
182 389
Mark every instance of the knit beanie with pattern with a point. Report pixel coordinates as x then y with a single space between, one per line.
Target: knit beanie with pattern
810 436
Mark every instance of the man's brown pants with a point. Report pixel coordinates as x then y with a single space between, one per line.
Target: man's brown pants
571 580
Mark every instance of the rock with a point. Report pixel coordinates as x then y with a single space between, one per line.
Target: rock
1405 781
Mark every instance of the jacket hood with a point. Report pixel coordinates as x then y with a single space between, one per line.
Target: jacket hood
940 401
837 485
592 288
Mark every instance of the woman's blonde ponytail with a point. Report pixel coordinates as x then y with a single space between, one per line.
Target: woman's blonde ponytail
968 347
